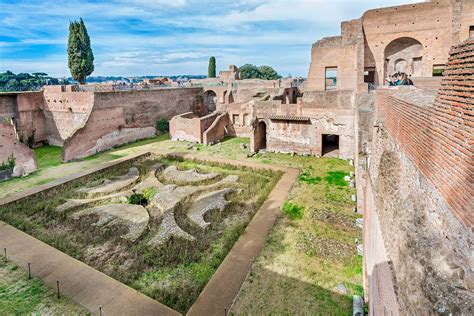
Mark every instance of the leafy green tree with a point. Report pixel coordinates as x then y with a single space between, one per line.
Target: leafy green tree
211 70
268 73
249 71
80 57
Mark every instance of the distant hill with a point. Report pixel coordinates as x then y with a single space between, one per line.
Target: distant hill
26 82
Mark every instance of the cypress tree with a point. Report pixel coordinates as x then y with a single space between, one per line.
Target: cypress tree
211 70
80 57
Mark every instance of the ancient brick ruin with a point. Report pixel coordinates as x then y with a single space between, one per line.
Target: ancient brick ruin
412 146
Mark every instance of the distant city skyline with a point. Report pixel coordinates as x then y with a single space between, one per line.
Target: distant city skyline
172 37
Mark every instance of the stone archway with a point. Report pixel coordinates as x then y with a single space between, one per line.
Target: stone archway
403 54
210 100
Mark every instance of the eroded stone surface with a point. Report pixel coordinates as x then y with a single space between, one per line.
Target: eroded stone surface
169 228
172 174
119 183
165 202
205 203
135 217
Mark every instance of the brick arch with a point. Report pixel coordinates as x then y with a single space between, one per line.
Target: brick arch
406 49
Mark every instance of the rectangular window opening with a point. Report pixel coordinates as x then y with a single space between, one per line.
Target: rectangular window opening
438 70
331 78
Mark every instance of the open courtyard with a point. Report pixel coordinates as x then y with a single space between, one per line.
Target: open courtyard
310 252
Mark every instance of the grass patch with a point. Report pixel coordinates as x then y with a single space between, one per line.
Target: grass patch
48 156
336 178
306 177
293 211
20 296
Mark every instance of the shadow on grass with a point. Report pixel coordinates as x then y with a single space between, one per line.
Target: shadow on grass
270 291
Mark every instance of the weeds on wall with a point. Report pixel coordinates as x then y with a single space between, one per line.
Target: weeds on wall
9 164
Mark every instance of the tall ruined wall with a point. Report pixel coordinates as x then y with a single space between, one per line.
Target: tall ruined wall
342 52
418 205
7 105
31 118
437 25
121 117
26 108
65 113
145 107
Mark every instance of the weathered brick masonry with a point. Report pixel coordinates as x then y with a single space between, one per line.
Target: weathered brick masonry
439 138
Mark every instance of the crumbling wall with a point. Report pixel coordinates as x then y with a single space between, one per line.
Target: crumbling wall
31 118
341 52
420 181
429 23
120 117
7 105
427 248
190 127
65 113
217 131
10 144
26 108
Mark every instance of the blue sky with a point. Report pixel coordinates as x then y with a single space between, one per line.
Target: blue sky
167 37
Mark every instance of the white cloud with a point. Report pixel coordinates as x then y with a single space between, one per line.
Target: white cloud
132 37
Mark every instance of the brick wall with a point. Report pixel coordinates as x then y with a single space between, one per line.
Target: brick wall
439 138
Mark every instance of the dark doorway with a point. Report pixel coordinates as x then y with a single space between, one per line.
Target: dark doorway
261 136
330 145
369 75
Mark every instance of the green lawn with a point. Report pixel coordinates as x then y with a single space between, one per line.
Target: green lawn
47 156
50 166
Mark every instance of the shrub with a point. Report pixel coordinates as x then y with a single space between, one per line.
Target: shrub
293 211
162 125
138 199
9 165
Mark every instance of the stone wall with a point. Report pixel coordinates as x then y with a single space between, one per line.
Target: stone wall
418 197
217 131
10 144
121 117
65 113
190 127
7 105
439 138
30 115
413 233
341 52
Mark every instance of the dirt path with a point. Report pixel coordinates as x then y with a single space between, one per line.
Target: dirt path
220 292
